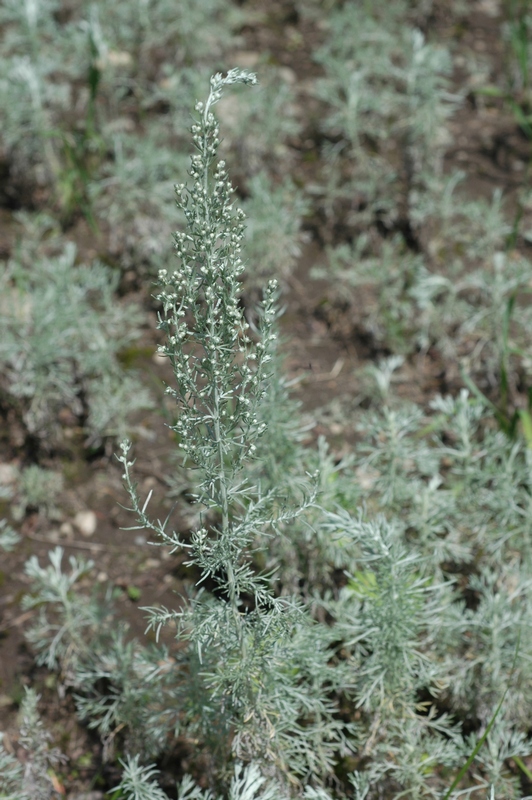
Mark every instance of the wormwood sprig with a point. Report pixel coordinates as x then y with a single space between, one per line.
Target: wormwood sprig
119 684
255 679
30 779
61 335
247 784
219 371
9 538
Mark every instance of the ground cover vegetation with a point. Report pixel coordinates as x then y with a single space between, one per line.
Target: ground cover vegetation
300 439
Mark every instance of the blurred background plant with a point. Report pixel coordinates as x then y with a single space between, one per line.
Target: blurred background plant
38 490
62 331
388 96
32 778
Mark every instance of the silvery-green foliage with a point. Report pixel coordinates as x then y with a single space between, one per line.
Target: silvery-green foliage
305 558
385 271
457 226
61 333
253 662
516 30
490 768
379 98
38 488
121 685
29 780
360 784
35 740
112 402
58 641
21 19
273 230
459 493
280 454
432 515
138 782
388 91
49 82
193 32
495 636
43 56
11 772
389 615
490 480
133 192
400 472
9 538
503 489
462 298
502 744
459 301
23 79
41 233
408 753
316 793
26 86
454 485
392 454
455 296
247 783
118 684
391 618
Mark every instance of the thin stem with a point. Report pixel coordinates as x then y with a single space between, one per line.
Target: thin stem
223 500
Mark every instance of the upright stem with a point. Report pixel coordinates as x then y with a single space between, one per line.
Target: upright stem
223 500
